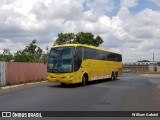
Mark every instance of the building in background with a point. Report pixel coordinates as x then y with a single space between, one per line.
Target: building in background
141 67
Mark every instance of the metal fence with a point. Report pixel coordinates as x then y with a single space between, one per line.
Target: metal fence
141 68
136 68
20 72
2 73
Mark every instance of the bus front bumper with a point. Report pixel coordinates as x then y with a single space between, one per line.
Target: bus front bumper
66 79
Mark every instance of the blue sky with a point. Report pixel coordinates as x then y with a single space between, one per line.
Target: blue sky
131 27
143 4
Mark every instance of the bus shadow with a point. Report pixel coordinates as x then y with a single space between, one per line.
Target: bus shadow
100 81
80 84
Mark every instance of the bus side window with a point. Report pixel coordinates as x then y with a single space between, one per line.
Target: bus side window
109 56
87 53
78 58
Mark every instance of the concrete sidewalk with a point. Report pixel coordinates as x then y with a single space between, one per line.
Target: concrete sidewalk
19 85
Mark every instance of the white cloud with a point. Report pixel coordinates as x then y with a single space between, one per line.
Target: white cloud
66 9
20 6
128 3
8 44
104 20
100 7
157 2
135 35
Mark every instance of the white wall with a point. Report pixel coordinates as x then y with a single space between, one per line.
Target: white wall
2 73
151 68
158 68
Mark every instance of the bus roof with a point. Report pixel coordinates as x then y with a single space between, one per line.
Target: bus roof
84 45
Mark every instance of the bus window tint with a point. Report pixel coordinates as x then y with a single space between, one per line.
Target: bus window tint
95 54
78 58
88 53
60 60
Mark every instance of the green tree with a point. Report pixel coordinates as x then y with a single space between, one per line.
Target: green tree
65 38
80 38
6 56
31 53
21 56
158 63
85 38
144 61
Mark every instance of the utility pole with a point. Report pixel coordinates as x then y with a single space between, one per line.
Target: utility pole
154 68
153 58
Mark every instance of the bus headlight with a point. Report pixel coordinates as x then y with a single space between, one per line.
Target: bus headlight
68 76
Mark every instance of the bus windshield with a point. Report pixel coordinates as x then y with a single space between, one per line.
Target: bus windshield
61 60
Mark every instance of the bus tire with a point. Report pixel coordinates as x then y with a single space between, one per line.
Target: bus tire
113 76
116 75
63 84
84 80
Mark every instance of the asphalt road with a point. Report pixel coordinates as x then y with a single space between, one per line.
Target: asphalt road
131 92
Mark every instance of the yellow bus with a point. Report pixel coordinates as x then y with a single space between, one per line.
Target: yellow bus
79 63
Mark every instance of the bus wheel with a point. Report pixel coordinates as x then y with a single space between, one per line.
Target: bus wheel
63 84
113 76
116 76
84 80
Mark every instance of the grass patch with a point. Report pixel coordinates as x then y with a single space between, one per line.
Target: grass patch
156 73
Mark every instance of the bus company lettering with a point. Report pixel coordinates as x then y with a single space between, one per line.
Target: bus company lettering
14 114
34 115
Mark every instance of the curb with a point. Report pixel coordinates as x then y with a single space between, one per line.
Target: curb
151 75
20 85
